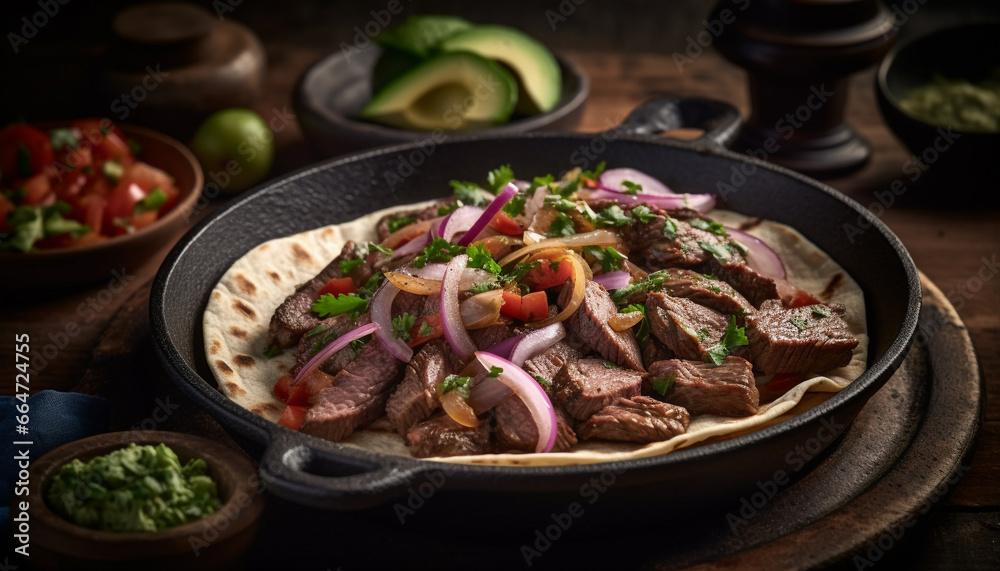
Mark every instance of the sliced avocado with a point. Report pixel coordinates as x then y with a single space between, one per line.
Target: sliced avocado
419 34
391 64
456 92
534 65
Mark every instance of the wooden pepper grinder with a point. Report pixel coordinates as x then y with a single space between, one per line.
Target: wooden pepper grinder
799 55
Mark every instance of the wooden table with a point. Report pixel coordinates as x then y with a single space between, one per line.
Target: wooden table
951 243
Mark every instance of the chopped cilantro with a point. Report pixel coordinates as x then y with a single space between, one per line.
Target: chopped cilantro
449 208
614 216
670 228
562 225
113 170
820 311
609 258
494 372
153 201
643 213
733 337
440 250
643 332
609 365
593 174
631 187
515 206
379 248
720 254
566 189
348 266
702 334
734 244
425 330
456 383
315 331
470 193
368 290
798 322
546 384
32 223
484 287
559 203
272 352
519 271
541 181
663 385
401 221
63 138
708 226
711 276
479 257
401 326
652 282
358 344
499 177
714 289
329 305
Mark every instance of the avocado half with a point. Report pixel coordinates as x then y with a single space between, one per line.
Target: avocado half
535 67
457 91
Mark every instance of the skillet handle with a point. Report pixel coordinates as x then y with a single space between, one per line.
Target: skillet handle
720 120
332 478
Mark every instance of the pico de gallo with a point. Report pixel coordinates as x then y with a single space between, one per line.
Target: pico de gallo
76 185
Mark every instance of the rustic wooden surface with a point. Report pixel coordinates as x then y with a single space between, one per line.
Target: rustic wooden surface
951 236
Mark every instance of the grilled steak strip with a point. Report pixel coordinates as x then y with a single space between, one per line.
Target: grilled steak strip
295 316
654 350
703 388
806 339
416 397
686 328
735 271
442 436
418 214
590 323
583 387
639 419
706 291
669 241
547 363
328 330
516 430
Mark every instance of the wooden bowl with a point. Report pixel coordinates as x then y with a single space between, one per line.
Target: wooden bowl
52 269
218 540
330 95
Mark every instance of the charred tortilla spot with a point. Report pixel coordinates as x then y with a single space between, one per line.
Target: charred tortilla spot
300 254
327 232
751 224
245 309
215 347
237 332
263 247
223 367
235 389
832 286
274 276
217 295
264 409
244 361
245 284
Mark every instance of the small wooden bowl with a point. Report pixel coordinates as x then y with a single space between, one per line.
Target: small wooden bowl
56 269
217 541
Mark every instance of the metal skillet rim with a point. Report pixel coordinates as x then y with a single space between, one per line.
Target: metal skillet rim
264 432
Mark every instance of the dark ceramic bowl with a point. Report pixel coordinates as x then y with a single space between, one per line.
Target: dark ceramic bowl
969 52
330 95
56 269
218 540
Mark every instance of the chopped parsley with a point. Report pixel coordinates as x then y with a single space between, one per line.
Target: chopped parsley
358 344
546 384
515 206
499 177
425 330
562 225
566 189
30 224
631 187
739 246
368 290
484 287
613 216
670 228
401 326
643 332
470 193
643 213
663 385
456 383
593 174
714 289
653 281
519 271
272 352
733 337
609 365
440 250
798 322
379 248
113 170
401 221
348 266
713 227
449 208
559 203
63 138
820 311
720 254
329 305
153 201
609 258
541 181
479 257
494 372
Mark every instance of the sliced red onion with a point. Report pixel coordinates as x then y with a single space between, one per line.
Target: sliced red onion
536 342
477 228
529 391
699 202
612 180
414 246
504 347
458 222
451 311
761 257
381 312
521 184
613 280
471 277
324 353
487 393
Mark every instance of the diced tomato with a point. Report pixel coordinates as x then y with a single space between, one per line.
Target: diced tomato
6 207
293 417
802 298
92 207
106 141
121 204
69 185
283 387
544 276
432 321
527 308
337 286
19 139
37 189
506 225
309 387
140 221
148 177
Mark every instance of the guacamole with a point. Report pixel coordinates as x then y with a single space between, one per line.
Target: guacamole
957 103
137 488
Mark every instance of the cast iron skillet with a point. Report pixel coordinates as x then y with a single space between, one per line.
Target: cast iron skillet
324 474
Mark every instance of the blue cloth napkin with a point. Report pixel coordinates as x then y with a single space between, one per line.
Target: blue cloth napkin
54 418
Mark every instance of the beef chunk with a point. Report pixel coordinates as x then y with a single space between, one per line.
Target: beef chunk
516 430
328 330
583 387
735 271
590 323
688 329
704 290
487 337
442 436
669 242
653 350
295 316
418 214
416 397
703 388
810 339
547 363
639 419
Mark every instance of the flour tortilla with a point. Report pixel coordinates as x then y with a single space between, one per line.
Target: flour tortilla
240 308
